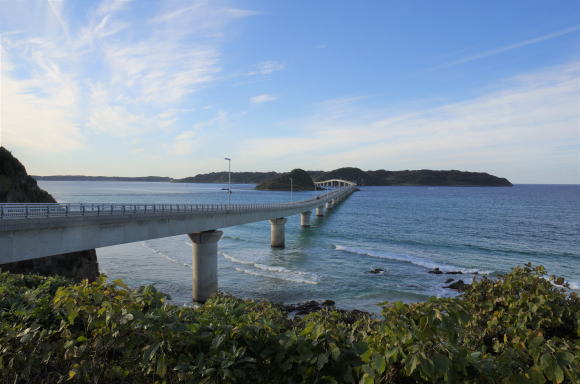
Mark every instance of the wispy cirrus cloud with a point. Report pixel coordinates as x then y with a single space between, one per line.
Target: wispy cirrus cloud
267 67
117 74
263 98
525 123
510 47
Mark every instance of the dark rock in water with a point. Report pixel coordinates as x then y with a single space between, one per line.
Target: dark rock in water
308 306
454 273
459 285
376 271
302 309
436 271
448 281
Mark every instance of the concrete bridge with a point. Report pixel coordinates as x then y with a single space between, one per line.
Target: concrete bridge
32 231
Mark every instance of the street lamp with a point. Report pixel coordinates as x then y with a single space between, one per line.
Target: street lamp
291 188
229 179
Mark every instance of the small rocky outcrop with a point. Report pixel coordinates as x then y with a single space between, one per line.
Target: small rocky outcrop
376 271
16 186
437 271
307 307
301 181
459 285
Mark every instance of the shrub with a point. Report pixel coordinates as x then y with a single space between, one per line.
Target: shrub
517 328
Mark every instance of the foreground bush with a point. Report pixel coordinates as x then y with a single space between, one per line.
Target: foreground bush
517 329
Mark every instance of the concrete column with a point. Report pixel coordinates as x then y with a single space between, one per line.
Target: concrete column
305 219
277 233
328 204
204 264
319 211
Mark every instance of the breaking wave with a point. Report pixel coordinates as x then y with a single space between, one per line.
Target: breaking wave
408 259
274 272
276 276
144 243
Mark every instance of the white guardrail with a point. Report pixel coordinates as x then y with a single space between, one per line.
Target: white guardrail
38 210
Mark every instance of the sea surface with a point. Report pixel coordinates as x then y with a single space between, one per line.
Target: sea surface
405 231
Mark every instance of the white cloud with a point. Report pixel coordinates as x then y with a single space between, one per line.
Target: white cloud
524 121
39 112
267 68
263 98
184 143
106 73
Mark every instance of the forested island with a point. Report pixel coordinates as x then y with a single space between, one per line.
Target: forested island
297 179
381 177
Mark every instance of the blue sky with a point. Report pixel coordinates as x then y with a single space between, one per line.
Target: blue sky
172 87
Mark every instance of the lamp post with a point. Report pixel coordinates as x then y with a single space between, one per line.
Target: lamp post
291 188
229 179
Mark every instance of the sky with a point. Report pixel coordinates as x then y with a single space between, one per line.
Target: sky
170 88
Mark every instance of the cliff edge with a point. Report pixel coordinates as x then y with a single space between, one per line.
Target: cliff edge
16 186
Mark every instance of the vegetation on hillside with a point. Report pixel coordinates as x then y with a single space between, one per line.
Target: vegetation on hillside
519 328
222 177
15 184
301 181
379 177
424 177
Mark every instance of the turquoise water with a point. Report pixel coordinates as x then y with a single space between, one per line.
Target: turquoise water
404 230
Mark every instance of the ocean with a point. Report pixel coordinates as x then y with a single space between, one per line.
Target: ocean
405 231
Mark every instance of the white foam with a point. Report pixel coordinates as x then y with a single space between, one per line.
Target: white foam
164 255
274 272
574 285
407 259
238 261
276 276
279 269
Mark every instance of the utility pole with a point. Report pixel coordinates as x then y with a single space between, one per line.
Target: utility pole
291 188
229 180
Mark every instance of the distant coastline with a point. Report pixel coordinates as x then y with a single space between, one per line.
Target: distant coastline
423 177
102 178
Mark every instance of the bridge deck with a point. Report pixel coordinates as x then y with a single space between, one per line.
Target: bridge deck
29 231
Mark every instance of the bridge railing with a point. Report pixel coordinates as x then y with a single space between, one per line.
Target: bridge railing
39 210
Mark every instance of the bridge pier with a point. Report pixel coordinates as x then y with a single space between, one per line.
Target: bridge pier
305 219
277 232
204 264
329 204
319 211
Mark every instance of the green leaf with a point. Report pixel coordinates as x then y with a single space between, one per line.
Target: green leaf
411 365
379 362
161 366
558 374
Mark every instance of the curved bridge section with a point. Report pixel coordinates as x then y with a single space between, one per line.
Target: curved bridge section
30 231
